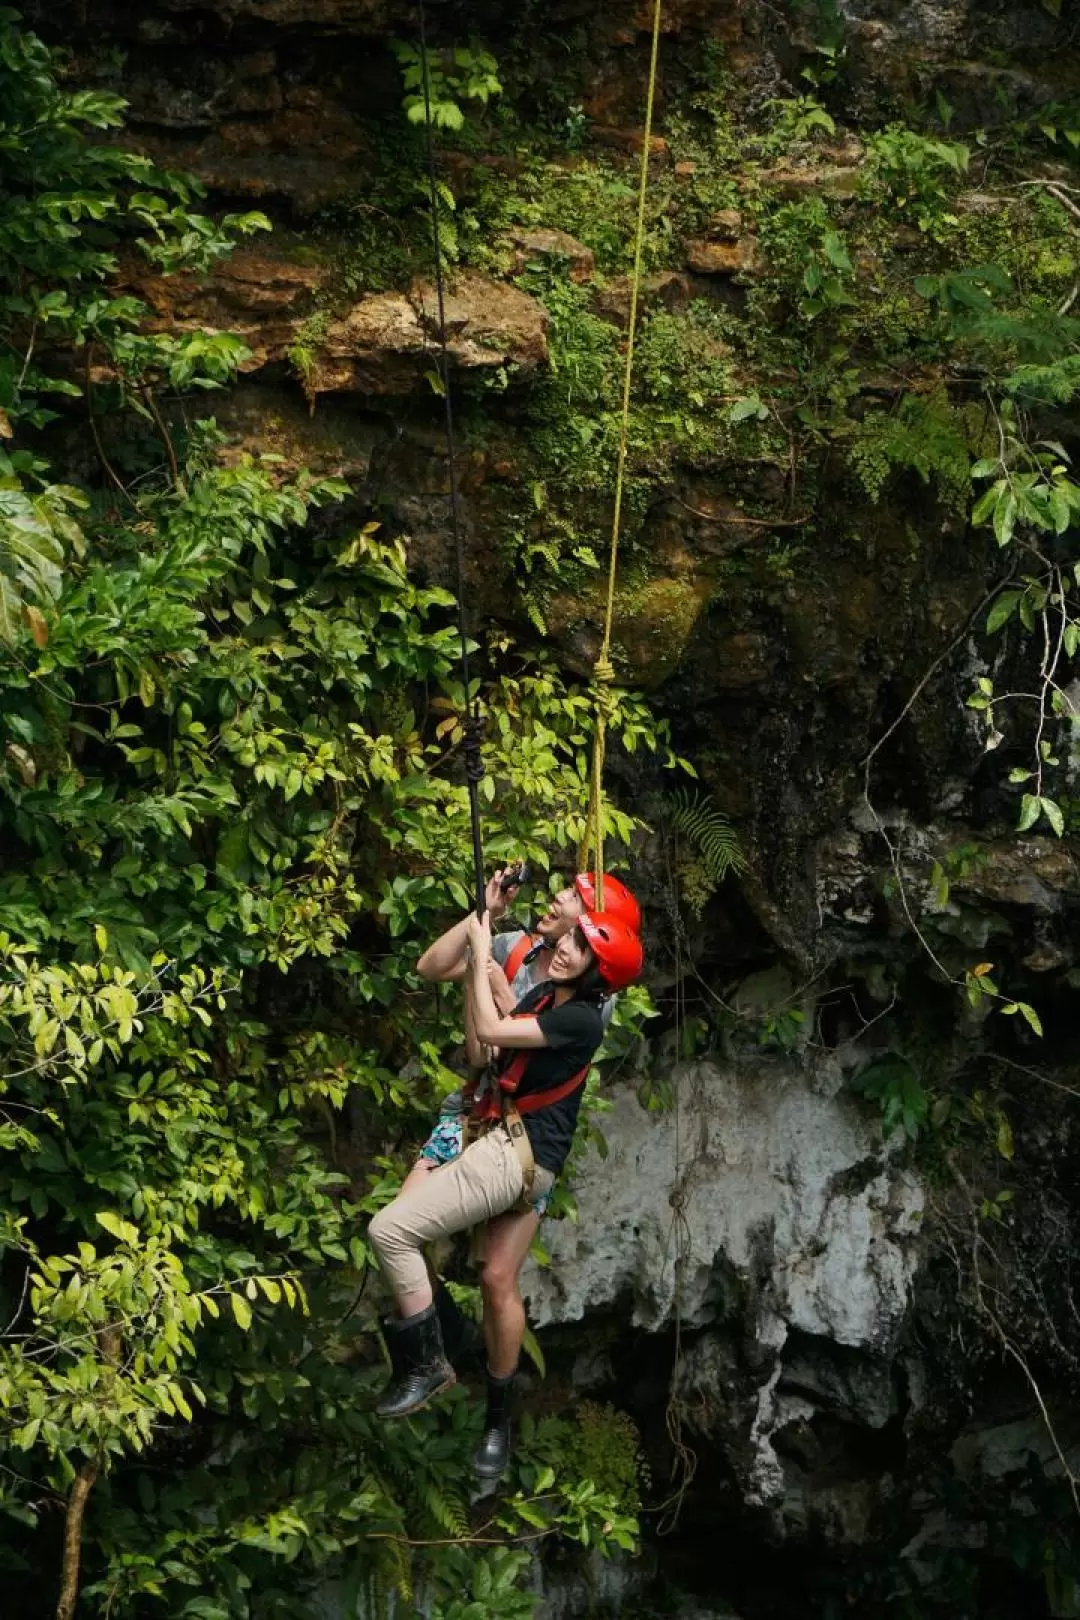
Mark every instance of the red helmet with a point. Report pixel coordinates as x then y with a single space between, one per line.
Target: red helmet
616 947
618 901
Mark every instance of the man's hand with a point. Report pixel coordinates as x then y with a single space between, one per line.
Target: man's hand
497 901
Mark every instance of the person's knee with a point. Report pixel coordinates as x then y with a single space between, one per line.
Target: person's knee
382 1232
498 1281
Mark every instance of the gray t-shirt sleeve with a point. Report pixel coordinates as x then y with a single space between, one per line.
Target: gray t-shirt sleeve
503 944
607 1011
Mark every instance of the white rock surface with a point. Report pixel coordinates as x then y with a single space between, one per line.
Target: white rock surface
782 1185
794 1221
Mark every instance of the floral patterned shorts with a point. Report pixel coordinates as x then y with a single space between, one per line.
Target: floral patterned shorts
445 1142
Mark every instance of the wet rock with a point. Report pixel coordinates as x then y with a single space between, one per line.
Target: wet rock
726 225
629 140
262 418
654 624
261 294
339 16
800 180
310 155
1033 872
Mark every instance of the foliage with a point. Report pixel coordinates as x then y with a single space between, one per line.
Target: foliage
925 434
606 1448
233 808
918 174
692 815
892 1081
457 74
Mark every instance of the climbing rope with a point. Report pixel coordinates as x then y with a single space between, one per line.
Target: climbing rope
473 723
603 672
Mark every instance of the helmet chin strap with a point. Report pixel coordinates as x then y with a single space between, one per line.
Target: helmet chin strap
541 945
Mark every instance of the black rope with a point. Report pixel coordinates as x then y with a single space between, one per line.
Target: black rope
474 725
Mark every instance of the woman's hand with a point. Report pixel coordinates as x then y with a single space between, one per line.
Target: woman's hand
478 938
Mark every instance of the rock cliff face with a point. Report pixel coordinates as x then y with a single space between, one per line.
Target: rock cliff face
840 1307
763 1211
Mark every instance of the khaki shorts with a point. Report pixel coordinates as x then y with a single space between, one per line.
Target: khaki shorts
481 1183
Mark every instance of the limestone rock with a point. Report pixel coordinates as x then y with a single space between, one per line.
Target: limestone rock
1035 872
544 242
629 140
759 1201
311 154
387 341
343 16
726 225
798 1250
723 258
666 288
259 293
799 180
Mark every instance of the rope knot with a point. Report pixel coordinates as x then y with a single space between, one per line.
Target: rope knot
603 682
472 747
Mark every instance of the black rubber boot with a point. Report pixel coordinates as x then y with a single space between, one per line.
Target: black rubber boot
492 1455
462 1339
420 1367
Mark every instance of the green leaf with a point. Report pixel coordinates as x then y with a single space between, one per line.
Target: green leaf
1030 806
241 1310
1031 1017
1005 518
1052 811
1001 610
121 1230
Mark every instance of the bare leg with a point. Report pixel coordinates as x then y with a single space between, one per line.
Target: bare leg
508 1240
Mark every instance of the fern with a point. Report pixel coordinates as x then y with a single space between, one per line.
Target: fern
1056 383
447 1509
927 435
712 836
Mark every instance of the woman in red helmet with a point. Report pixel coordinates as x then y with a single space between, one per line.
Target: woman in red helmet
520 959
545 1049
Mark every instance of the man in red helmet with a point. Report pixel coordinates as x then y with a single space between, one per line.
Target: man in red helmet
527 955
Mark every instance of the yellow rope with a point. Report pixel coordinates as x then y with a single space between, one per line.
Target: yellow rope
603 673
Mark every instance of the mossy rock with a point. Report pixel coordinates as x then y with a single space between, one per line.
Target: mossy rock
653 625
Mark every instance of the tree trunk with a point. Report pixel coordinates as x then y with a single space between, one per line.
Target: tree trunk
73 1521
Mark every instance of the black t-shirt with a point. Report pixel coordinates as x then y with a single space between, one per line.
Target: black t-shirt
573 1033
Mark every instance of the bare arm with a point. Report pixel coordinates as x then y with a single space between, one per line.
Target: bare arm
477 1053
445 959
491 1026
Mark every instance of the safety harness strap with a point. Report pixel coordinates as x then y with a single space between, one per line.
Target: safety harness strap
513 962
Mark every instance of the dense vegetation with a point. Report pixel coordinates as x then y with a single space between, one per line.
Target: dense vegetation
231 793
231 810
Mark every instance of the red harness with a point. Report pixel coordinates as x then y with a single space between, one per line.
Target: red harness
490 1105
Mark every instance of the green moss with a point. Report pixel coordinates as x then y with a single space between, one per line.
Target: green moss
605 1448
